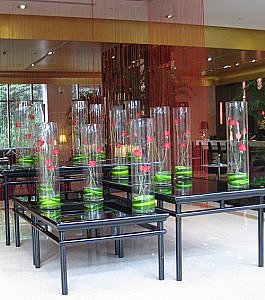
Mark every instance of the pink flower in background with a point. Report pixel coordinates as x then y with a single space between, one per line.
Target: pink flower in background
137 152
99 149
112 124
244 131
167 133
83 141
242 147
188 132
144 168
176 122
92 163
48 162
118 145
31 116
51 168
40 142
18 124
166 145
28 135
37 149
74 123
231 122
124 134
183 144
55 151
149 139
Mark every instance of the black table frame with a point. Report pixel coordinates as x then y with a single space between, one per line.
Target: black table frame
45 225
221 197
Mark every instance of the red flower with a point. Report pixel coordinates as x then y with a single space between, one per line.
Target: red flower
99 149
55 151
166 145
138 115
112 124
51 168
92 163
48 162
40 142
144 168
37 149
74 122
188 132
118 145
31 116
83 141
167 132
28 135
176 121
231 122
242 147
124 134
137 152
102 116
244 131
18 124
149 139
183 144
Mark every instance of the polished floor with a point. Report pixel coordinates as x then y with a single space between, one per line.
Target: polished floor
219 262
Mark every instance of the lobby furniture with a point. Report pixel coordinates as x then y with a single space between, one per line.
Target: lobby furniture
73 218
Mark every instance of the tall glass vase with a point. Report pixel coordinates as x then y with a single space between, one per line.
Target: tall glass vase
93 189
97 115
182 147
119 144
48 189
132 108
142 167
38 117
162 141
237 144
24 135
79 118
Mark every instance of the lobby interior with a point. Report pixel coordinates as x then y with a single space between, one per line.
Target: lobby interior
61 44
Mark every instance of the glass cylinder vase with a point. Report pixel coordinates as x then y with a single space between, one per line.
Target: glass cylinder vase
119 144
237 144
79 118
93 189
132 108
182 147
24 135
162 144
48 189
97 115
142 165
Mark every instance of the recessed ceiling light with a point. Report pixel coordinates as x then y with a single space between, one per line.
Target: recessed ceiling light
211 70
22 6
50 53
209 59
227 66
169 16
253 60
133 62
237 64
113 56
33 65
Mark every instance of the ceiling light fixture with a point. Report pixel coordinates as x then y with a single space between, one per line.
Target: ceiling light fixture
33 65
227 66
253 60
209 59
113 56
169 16
237 64
22 6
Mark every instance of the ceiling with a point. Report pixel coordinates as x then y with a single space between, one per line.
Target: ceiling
19 55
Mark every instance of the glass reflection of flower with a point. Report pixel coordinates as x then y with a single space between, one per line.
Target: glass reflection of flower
237 144
48 163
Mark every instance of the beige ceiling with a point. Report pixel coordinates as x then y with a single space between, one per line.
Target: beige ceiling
76 57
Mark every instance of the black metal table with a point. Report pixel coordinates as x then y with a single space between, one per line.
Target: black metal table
204 190
73 217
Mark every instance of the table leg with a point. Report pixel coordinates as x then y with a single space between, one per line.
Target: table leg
63 265
120 243
37 245
261 234
161 251
16 220
178 244
7 221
